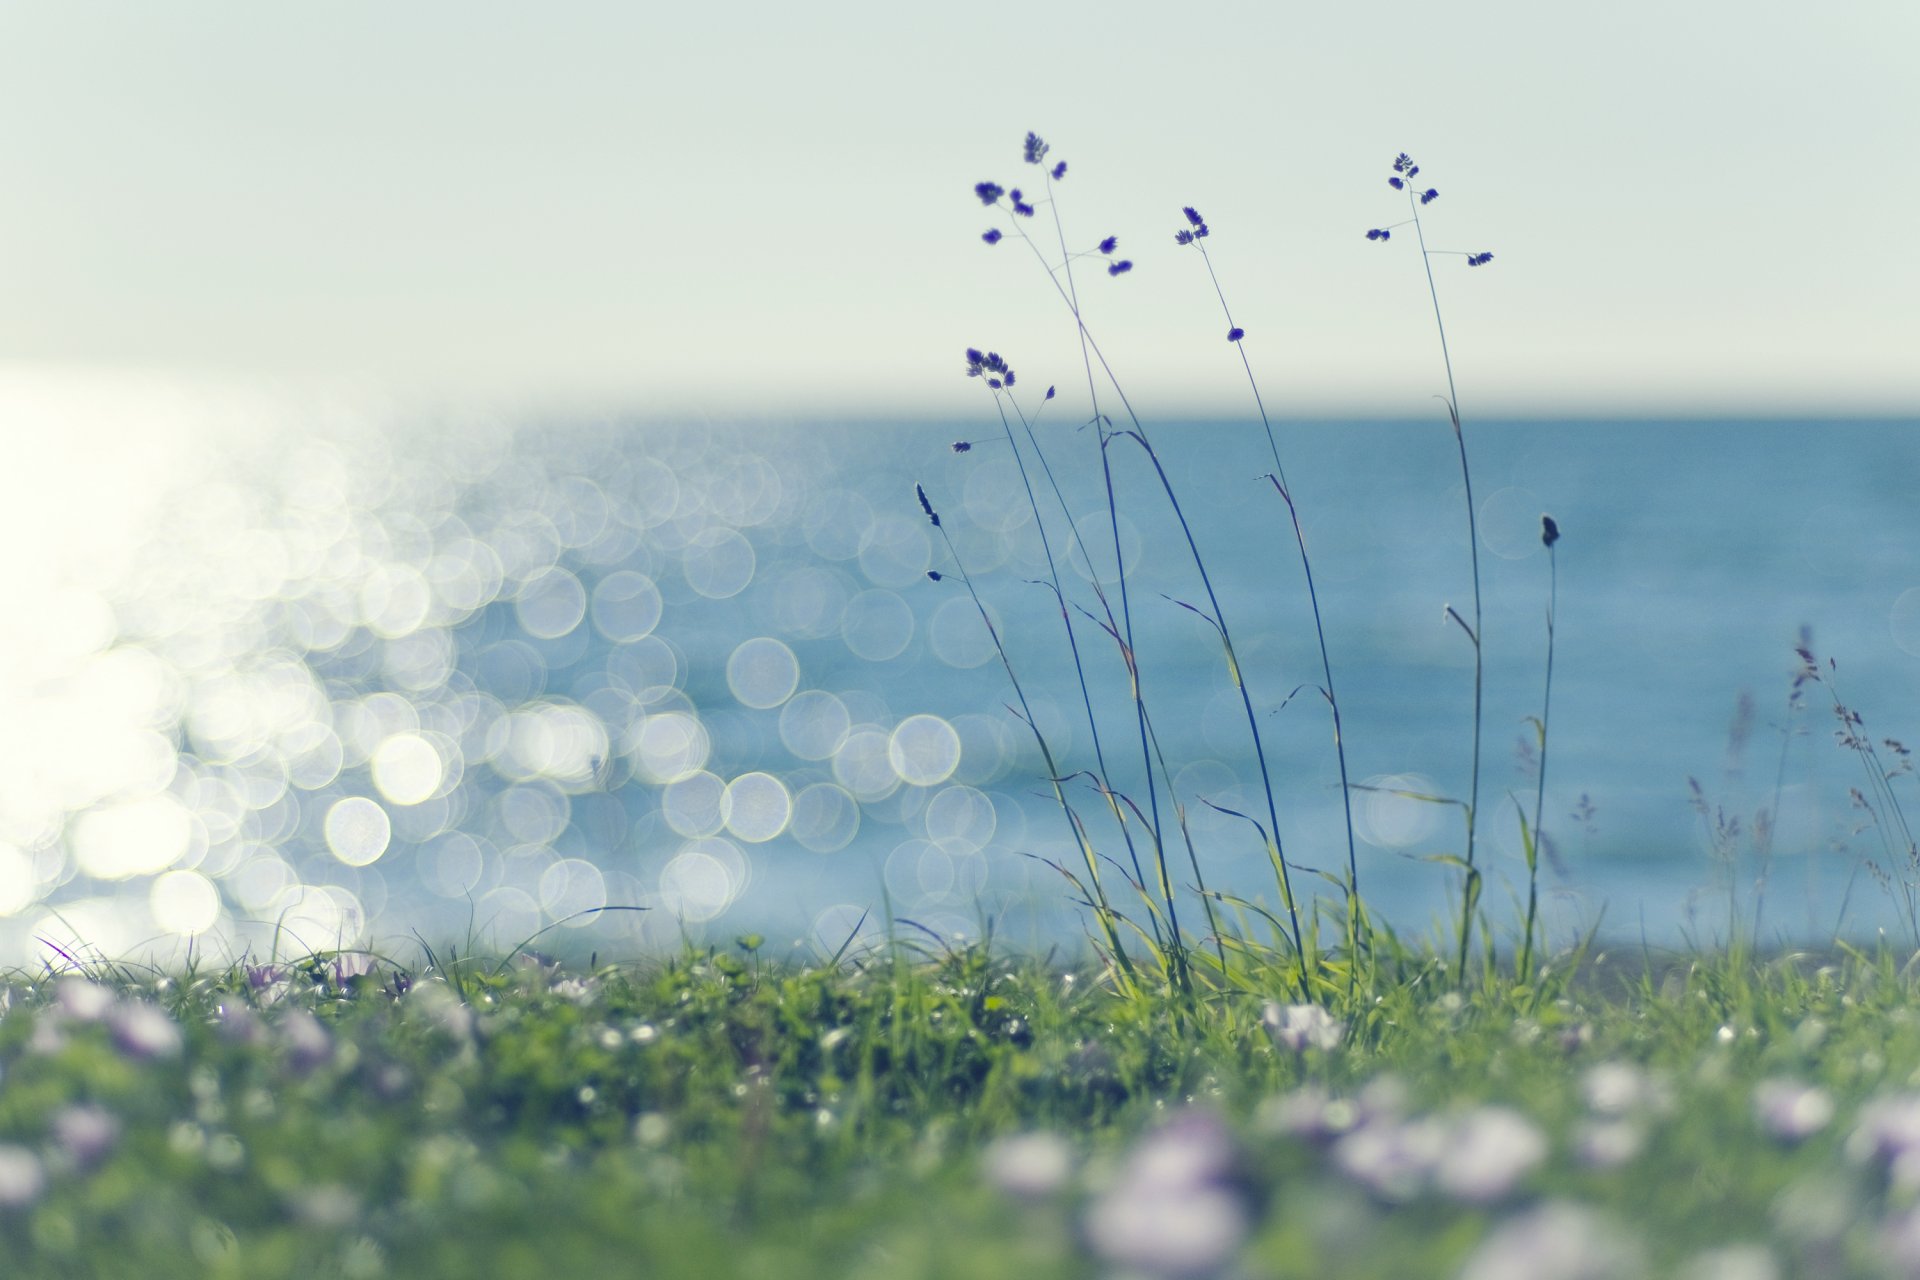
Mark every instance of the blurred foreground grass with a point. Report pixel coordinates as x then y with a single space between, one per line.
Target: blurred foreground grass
964 1115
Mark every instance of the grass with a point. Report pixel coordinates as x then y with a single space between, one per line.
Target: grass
715 1115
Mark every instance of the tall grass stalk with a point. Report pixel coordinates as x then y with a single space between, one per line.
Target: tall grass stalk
991 195
1405 170
1001 389
1102 909
1195 233
1549 535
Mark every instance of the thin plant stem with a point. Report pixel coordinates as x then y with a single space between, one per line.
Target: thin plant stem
1102 908
1279 479
1073 643
1275 850
1540 782
1470 895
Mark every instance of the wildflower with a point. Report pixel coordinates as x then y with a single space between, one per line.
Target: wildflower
1020 206
1403 163
1608 1144
1888 1134
989 192
306 1041
926 506
934 575
1183 237
1396 183
1049 394
1174 1211
1030 1164
1429 196
83 1001
1236 333
145 1032
22 1178
1489 1150
84 1134
1479 259
1393 1159
991 235
1119 268
962 446
1107 245
1559 1240
1060 171
1300 1027
1549 531
1617 1088
1379 234
236 1022
1193 216
1035 149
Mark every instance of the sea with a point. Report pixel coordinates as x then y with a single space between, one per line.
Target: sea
610 686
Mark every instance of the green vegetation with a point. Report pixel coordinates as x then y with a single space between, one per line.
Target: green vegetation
964 1114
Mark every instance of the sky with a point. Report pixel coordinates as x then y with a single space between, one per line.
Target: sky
764 209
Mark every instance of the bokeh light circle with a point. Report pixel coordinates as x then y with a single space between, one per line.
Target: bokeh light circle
358 831
550 604
877 625
1510 523
718 563
762 672
825 818
813 724
756 807
924 750
406 769
626 606
184 902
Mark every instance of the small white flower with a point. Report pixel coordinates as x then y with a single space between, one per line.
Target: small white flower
1791 1111
1489 1150
1300 1027
21 1177
1731 1262
1029 1164
1557 1241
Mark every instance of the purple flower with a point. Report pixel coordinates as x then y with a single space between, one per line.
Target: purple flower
1235 334
1183 237
1119 268
1429 196
1193 216
962 446
991 236
1378 234
306 1041
85 1134
989 192
1174 1210
1393 1159
1402 163
145 1032
1489 1150
926 506
1396 183
1035 150
1479 259
1549 531
1049 394
1300 1027
934 575
1022 208
1107 245
1060 171
1557 1241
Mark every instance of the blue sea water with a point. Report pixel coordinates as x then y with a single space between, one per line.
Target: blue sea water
456 683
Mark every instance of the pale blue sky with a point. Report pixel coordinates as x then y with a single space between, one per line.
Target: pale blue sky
765 207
